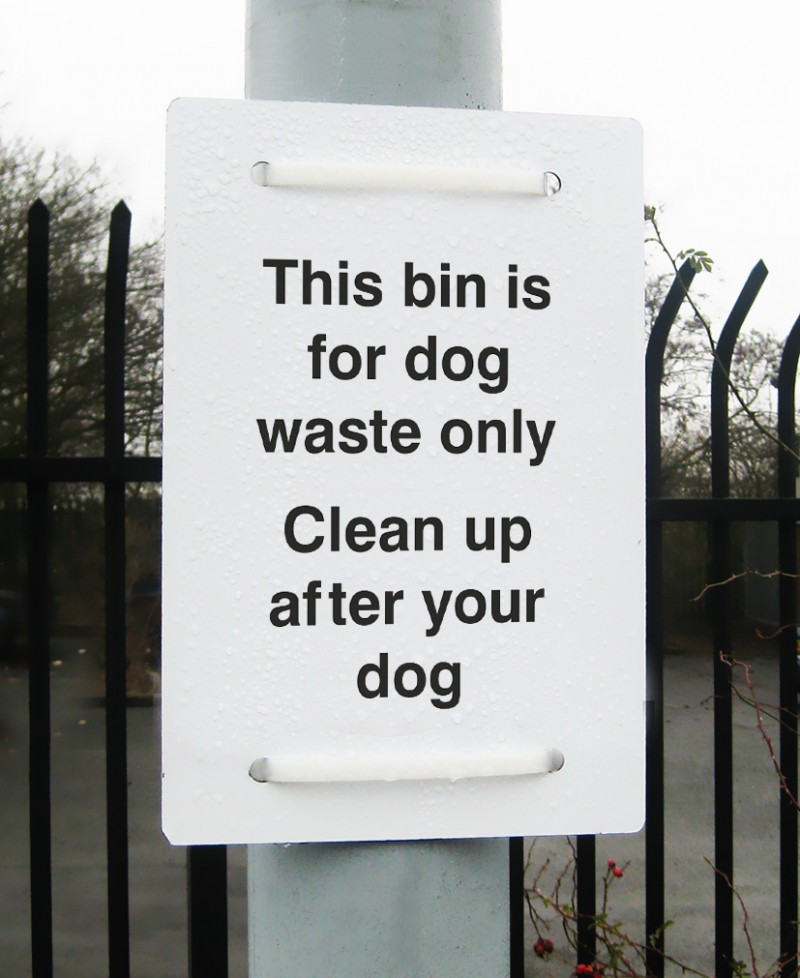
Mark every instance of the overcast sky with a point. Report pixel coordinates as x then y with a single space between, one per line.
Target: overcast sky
714 84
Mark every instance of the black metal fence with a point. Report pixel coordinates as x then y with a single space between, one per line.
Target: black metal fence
114 471
207 890
720 513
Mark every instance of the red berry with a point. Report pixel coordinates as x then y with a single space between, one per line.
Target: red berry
611 864
617 872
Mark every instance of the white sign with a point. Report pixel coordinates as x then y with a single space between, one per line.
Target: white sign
403 474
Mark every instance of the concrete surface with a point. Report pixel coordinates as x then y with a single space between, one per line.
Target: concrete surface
158 882
157 870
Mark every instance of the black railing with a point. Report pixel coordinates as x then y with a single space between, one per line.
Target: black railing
206 866
719 512
207 908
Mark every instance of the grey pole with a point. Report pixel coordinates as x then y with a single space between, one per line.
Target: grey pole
409 909
444 53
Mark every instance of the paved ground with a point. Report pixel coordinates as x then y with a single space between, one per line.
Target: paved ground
158 876
157 870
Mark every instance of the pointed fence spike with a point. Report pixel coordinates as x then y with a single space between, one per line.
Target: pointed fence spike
121 211
38 210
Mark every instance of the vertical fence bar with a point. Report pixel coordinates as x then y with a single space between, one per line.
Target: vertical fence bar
587 898
721 605
207 873
787 557
115 657
41 859
516 906
654 795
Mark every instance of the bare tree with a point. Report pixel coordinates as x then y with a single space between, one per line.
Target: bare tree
79 207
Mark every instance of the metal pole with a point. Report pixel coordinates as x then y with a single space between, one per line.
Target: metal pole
444 53
410 909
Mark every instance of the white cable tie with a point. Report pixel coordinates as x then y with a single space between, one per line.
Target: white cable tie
297 769
366 176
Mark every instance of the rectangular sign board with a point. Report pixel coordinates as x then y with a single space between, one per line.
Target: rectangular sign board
403 474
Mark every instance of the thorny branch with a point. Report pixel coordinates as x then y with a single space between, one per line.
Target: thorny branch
611 935
792 626
745 915
747 572
626 957
761 711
